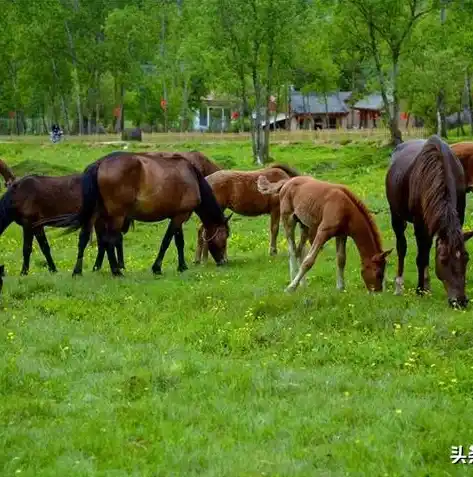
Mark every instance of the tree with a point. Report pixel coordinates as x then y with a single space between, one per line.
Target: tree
255 40
384 27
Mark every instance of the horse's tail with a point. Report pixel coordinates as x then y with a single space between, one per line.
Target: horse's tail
268 188
291 172
90 199
7 210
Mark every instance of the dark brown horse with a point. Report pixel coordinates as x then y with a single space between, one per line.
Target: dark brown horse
150 189
238 191
425 185
35 198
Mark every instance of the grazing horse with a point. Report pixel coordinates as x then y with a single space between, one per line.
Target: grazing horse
31 199
196 158
324 211
149 189
425 185
238 191
464 152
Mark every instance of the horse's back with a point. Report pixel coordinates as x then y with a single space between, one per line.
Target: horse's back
44 196
238 190
148 187
464 153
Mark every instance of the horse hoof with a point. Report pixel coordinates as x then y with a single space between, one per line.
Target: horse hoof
182 268
273 252
23 273
117 274
53 270
76 273
290 290
96 269
156 271
422 291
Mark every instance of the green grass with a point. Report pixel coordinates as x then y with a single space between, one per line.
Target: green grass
217 372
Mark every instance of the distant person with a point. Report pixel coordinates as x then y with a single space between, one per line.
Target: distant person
56 133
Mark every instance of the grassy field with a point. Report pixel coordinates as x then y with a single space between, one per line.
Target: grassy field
216 372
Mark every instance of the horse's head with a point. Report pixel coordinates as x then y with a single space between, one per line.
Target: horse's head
451 259
216 237
372 271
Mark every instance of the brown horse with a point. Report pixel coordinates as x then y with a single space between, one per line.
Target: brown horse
238 191
425 185
464 152
7 173
324 211
196 158
150 189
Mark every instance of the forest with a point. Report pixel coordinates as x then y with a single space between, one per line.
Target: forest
90 64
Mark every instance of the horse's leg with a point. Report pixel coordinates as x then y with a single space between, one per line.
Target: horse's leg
199 246
84 238
120 255
399 226
205 252
309 260
100 252
156 268
289 227
45 248
341 261
179 241
301 248
424 244
27 249
274 227
111 240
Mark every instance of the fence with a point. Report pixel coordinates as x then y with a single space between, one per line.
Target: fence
340 136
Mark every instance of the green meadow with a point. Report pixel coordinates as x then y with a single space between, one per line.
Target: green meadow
217 372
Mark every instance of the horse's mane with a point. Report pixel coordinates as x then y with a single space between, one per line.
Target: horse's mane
432 187
209 210
365 212
288 170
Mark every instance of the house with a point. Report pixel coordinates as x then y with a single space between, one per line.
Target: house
368 111
317 111
334 110
215 113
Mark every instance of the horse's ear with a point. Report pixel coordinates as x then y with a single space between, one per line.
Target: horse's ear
228 218
467 235
381 256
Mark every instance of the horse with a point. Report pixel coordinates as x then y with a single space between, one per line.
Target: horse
238 191
425 185
33 198
199 160
7 173
148 188
325 210
464 152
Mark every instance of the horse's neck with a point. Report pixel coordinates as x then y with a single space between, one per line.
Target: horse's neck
362 233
